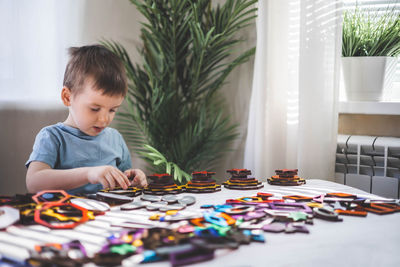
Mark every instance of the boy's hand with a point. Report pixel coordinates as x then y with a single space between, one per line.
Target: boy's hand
108 176
137 177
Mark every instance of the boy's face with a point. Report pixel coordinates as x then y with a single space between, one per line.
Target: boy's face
89 110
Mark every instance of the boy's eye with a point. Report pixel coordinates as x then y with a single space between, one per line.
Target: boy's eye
94 109
112 110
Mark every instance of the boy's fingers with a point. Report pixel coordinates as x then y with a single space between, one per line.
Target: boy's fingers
143 181
121 178
131 177
136 178
128 173
134 182
104 184
110 180
125 178
141 177
116 178
139 181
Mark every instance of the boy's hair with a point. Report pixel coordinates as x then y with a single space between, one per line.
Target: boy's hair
98 63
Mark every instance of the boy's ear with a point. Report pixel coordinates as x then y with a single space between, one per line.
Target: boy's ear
66 96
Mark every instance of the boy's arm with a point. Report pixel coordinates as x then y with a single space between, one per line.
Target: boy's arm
40 176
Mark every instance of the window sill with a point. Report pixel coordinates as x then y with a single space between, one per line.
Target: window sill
373 108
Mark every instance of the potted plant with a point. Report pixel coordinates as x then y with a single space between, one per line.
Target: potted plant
370 44
173 103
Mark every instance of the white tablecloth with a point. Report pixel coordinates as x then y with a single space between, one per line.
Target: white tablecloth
357 241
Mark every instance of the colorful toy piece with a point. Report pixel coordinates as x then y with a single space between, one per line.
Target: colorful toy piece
55 196
58 215
240 180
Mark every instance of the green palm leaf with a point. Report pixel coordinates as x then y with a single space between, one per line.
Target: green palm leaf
173 102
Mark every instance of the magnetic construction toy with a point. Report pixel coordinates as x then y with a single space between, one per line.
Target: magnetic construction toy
202 183
182 236
54 211
241 180
162 184
286 177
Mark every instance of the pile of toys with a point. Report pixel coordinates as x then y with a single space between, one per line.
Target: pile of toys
161 184
202 182
241 180
286 177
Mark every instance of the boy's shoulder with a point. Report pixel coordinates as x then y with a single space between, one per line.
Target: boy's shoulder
49 134
52 128
60 131
112 131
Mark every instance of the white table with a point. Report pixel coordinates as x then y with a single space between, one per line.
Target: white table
357 241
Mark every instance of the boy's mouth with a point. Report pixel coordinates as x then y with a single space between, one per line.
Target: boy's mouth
98 129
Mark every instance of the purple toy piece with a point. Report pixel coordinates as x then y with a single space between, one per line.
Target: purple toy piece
319 199
274 227
253 215
293 228
76 245
290 207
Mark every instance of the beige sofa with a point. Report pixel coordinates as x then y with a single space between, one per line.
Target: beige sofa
19 127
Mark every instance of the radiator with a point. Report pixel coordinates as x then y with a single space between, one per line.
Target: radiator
370 163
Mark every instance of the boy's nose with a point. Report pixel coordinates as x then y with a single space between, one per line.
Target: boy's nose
103 119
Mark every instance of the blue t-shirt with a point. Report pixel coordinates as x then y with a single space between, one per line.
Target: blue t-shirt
64 147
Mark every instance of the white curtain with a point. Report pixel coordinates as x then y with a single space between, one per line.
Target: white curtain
293 112
33 49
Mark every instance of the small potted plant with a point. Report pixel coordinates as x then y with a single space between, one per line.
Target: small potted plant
370 44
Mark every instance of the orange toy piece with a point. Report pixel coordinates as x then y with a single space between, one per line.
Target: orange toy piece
229 220
48 196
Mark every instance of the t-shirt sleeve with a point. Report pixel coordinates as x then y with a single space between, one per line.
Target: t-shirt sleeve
126 161
45 148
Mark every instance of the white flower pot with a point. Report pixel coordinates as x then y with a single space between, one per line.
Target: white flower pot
366 78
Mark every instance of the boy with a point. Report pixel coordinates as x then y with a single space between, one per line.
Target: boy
83 155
